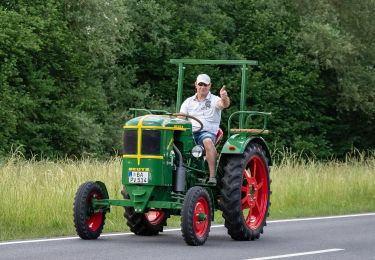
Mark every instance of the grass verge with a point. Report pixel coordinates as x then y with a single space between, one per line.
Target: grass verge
37 196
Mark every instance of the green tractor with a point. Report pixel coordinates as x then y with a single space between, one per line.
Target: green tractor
164 173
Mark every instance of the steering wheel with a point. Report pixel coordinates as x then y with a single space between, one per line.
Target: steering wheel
196 128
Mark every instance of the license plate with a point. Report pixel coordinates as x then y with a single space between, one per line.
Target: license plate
138 177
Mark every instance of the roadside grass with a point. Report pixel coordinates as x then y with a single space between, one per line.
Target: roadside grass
305 189
37 196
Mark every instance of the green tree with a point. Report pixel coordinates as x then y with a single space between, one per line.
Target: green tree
284 82
338 37
69 70
56 68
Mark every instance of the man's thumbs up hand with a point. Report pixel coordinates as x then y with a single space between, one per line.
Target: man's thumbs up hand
223 92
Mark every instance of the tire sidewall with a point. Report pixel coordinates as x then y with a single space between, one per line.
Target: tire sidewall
82 209
192 197
254 150
232 181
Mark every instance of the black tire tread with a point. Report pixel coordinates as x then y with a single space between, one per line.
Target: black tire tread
81 208
231 195
139 224
187 215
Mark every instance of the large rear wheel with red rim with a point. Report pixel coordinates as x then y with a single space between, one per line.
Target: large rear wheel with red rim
196 216
88 221
246 193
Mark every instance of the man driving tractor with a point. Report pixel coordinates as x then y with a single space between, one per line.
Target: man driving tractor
207 108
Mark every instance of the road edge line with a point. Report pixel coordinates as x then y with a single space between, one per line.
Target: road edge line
177 229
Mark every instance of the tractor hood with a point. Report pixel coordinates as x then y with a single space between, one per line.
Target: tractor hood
159 122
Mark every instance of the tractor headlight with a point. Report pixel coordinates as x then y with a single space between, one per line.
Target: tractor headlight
197 151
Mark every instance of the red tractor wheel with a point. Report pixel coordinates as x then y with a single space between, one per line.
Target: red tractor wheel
88 221
246 193
196 216
145 224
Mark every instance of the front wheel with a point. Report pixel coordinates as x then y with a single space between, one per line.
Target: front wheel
88 221
246 193
196 216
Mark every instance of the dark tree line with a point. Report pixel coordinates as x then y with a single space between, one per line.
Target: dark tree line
69 70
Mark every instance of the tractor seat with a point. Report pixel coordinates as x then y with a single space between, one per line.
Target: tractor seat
219 136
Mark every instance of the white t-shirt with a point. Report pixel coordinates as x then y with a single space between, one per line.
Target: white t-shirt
207 111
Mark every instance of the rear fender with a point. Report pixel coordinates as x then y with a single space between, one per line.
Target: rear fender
237 143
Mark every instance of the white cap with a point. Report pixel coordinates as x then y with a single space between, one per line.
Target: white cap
203 78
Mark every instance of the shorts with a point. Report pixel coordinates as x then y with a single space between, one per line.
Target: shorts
200 136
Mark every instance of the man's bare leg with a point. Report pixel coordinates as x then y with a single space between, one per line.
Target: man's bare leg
210 155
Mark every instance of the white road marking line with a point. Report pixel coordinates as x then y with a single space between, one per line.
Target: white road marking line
321 218
298 254
177 229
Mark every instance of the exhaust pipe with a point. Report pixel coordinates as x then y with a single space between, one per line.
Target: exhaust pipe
180 172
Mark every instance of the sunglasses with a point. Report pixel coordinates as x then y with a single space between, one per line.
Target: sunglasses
201 84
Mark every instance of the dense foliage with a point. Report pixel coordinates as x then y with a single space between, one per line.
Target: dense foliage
69 70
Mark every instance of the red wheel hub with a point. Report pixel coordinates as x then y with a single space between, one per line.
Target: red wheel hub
94 220
155 217
201 215
254 192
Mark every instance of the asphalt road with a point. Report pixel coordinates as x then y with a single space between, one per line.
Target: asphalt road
340 237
